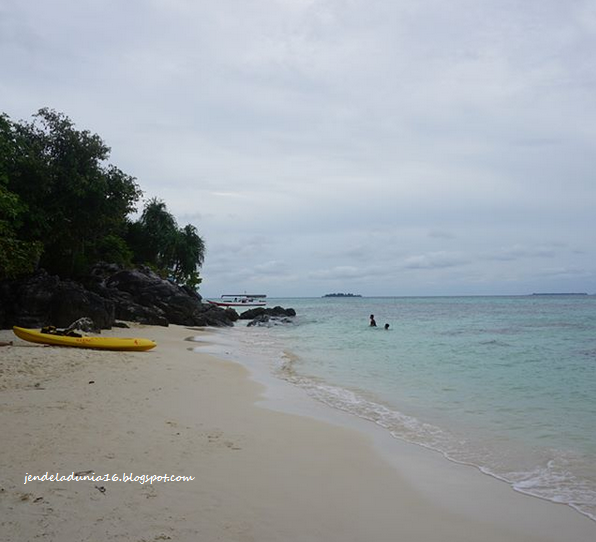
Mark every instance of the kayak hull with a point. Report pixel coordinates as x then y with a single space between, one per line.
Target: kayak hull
97 343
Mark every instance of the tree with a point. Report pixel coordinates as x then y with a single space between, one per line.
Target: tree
157 241
17 256
64 208
158 234
189 256
75 202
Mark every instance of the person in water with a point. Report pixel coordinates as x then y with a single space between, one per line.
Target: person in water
386 326
372 321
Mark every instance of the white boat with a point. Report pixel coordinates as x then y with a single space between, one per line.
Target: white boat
240 300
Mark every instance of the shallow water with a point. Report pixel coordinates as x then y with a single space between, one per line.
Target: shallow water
507 384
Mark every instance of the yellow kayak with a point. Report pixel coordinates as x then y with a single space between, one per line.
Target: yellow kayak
100 343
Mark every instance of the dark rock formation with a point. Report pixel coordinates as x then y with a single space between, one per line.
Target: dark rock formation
83 324
109 293
42 300
259 311
269 321
141 295
72 301
261 316
26 303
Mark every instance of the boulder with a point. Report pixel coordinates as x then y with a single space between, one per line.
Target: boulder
141 293
143 296
83 324
42 299
26 302
264 320
72 301
107 294
210 315
259 311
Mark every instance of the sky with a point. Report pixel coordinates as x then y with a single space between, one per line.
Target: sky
380 147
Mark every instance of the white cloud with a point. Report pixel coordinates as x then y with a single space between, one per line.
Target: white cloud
418 146
435 260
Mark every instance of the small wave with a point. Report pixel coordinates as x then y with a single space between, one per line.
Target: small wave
554 481
494 342
288 360
557 482
553 475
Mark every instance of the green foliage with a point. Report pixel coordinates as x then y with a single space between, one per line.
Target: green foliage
157 241
113 249
63 208
189 254
159 230
74 201
17 256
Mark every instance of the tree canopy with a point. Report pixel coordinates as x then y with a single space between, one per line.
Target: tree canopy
157 241
64 208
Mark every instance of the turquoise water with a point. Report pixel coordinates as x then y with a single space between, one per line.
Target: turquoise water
507 384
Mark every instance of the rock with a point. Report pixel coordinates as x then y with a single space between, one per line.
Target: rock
216 316
83 324
275 311
123 325
143 294
107 294
72 301
261 319
269 321
26 302
41 299
126 308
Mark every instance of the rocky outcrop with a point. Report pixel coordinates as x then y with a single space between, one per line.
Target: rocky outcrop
261 316
72 301
26 303
142 294
278 311
43 299
264 320
109 293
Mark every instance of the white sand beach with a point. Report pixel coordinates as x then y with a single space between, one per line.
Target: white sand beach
259 474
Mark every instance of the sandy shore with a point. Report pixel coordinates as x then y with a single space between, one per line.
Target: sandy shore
259 474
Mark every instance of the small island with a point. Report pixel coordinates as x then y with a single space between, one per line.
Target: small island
339 294
559 293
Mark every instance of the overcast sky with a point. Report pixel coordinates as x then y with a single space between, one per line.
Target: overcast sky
398 147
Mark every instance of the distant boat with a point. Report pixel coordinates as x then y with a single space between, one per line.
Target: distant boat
240 300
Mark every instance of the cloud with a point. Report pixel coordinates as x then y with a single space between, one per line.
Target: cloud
517 252
435 260
441 234
428 144
340 273
568 273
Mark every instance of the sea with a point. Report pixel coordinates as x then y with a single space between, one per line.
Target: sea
505 384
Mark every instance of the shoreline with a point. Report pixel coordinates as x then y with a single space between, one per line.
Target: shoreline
374 414
268 465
